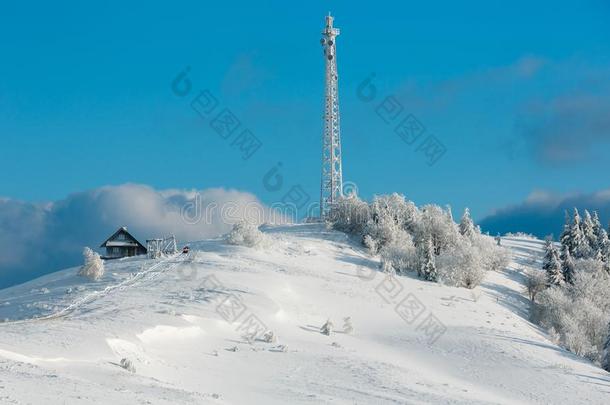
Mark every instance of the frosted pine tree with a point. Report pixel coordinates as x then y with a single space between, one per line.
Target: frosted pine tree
603 243
567 265
604 248
565 234
606 352
552 265
449 213
466 225
93 268
428 267
579 248
598 229
588 231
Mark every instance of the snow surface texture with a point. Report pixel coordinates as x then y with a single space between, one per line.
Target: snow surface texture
235 325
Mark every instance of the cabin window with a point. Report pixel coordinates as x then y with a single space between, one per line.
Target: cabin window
121 236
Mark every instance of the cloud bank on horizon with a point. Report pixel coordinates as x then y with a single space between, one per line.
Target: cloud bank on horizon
36 239
543 213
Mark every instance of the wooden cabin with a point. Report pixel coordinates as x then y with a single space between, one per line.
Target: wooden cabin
122 244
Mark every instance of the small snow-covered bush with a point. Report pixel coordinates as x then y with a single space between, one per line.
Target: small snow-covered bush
348 327
128 365
93 268
246 234
269 337
370 243
328 328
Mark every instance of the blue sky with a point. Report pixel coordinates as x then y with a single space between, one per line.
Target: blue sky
517 92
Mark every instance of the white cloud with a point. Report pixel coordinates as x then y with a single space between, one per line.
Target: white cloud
543 212
36 239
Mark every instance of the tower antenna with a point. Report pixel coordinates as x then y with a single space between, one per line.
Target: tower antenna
331 187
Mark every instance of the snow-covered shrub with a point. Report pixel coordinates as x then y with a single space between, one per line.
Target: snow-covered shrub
493 257
370 243
246 234
465 262
269 337
94 265
535 282
348 327
578 312
497 259
327 328
128 365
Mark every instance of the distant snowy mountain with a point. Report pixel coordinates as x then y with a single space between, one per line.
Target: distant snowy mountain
234 325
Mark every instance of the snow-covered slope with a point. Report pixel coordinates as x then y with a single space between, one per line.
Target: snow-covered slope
168 318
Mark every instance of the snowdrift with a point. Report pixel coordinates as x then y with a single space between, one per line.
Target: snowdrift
230 324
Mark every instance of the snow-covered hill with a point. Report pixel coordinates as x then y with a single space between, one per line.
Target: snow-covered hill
184 323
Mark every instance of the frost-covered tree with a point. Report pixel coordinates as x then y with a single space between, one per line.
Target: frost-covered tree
604 249
449 213
435 224
467 227
464 265
245 233
606 352
567 265
400 255
598 229
535 282
564 238
552 265
578 312
577 243
588 231
427 268
401 234
350 214
389 215
93 268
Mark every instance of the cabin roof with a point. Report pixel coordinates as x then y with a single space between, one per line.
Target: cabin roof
129 241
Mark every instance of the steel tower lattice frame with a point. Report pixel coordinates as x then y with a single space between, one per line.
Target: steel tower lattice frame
331 187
